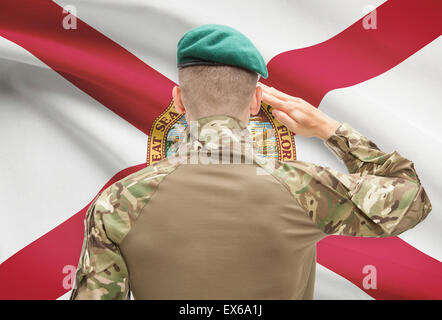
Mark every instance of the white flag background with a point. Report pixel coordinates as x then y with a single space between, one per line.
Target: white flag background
59 146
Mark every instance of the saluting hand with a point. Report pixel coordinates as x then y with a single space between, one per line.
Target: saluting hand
298 115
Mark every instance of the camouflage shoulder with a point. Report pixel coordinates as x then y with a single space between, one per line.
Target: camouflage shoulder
121 203
297 175
321 192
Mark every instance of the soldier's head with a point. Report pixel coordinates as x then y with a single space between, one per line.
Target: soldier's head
212 90
218 72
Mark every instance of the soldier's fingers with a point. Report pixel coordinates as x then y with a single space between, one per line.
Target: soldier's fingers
264 86
285 106
285 119
279 94
267 89
272 100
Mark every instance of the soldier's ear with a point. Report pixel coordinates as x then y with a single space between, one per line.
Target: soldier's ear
255 104
176 94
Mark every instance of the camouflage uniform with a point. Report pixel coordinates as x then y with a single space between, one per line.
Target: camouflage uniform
190 229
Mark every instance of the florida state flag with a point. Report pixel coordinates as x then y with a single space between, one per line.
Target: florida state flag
85 100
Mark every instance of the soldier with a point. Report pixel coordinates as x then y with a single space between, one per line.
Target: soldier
182 230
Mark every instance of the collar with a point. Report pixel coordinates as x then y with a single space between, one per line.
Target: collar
221 124
216 133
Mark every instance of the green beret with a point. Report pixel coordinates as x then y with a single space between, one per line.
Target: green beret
214 44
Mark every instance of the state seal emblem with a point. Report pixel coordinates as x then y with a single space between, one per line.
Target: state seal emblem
275 140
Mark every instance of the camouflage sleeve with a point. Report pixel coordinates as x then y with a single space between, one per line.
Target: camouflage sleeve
102 273
382 196
363 156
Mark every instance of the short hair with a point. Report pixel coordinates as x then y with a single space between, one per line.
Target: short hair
209 90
